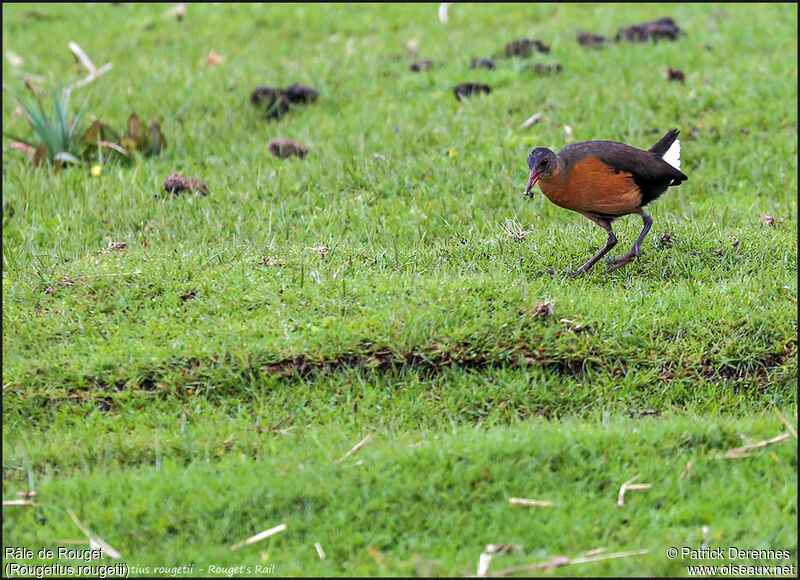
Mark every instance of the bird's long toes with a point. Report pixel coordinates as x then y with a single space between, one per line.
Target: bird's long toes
619 263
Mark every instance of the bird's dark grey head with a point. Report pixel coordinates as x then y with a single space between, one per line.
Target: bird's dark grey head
541 161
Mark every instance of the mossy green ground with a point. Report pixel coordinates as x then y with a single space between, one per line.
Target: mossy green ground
185 393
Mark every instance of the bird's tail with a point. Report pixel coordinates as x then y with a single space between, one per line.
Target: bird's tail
669 149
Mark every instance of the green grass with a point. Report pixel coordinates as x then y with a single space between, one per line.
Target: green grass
141 386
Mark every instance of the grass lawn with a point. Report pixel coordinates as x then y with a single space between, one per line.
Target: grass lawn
205 382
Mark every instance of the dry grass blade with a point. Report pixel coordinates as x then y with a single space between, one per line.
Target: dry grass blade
742 451
531 502
514 230
355 448
630 485
785 421
95 541
562 561
686 469
18 502
320 551
260 536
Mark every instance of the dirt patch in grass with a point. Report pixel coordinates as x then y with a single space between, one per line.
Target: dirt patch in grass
429 363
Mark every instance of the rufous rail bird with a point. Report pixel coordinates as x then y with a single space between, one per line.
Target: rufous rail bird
605 180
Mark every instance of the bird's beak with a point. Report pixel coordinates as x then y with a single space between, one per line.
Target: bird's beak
535 175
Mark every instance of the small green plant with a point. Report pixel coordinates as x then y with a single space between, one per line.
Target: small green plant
56 140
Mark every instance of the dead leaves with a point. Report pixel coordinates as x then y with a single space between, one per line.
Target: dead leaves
136 139
146 142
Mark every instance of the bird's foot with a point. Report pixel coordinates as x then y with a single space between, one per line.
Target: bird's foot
620 262
635 253
574 273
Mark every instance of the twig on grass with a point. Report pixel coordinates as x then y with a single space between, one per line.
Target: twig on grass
260 536
355 448
629 485
562 561
18 502
742 451
531 120
531 502
95 541
785 421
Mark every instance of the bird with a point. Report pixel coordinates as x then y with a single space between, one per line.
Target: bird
605 180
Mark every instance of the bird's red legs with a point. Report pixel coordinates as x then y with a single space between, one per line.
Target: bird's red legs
610 243
636 250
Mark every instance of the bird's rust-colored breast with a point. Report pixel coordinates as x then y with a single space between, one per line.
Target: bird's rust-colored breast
593 186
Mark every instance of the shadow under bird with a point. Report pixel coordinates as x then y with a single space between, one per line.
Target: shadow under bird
605 180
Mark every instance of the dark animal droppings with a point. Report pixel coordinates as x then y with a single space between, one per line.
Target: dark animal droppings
272 101
283 148
300 94
468 89
524 47
421 65
658 29
544 69
176 183
590 40
675 74
482 63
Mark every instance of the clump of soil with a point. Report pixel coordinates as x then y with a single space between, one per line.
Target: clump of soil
301 94
544 69
524 47
482 63
176 183
272 101
591 40
421 65
656 30
464 90
284 148
676 74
